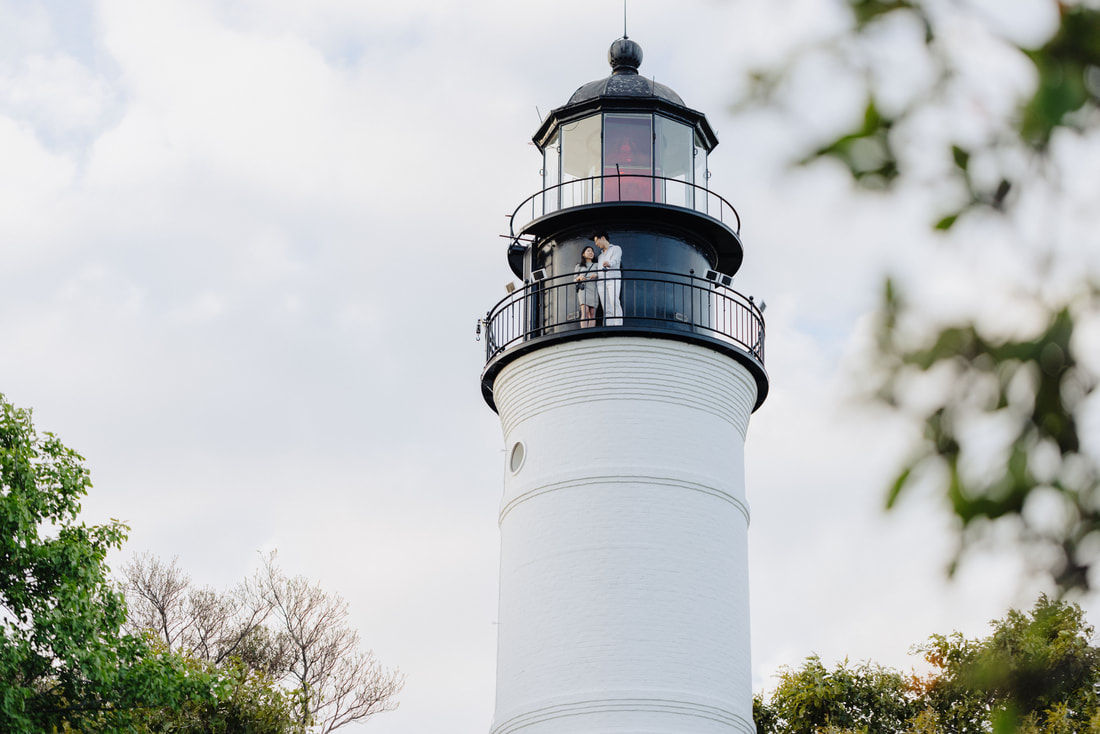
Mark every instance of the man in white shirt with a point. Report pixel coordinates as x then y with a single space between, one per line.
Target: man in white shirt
611 258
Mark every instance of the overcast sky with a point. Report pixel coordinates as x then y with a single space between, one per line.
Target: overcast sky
244 245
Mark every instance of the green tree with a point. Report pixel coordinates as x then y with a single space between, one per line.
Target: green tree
860 698
63 660
1036 673
998 150
247 702
66 663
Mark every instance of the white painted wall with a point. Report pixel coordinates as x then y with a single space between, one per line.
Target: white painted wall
623 584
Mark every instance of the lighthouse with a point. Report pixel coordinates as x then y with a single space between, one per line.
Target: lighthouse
624 377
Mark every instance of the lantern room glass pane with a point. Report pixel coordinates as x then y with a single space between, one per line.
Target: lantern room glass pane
580 162
700 175
674 151
628 157
551 175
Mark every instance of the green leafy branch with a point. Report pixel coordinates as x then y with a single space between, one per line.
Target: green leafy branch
1034 383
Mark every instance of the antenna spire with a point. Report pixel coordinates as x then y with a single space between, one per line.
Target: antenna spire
624 20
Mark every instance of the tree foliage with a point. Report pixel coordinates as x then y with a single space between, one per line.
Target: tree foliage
280 628
864 697
987 143
246 702
64 660
202 622
1033 388
1036 673
68 660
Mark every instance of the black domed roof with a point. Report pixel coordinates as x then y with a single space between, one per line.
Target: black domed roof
625 91
625 56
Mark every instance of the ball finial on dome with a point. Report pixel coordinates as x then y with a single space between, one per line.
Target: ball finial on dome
625 56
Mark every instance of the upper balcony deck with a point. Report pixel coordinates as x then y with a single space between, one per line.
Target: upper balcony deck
631 197
622 188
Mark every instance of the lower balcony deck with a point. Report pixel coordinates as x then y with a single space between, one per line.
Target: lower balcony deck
653 304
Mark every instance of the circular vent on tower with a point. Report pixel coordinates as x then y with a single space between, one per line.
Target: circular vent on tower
515 460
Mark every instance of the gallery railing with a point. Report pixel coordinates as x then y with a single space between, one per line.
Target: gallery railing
624 186
651 301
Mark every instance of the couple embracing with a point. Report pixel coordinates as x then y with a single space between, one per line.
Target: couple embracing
600 282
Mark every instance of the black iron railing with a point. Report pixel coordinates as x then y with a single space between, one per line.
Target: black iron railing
624 187
651 301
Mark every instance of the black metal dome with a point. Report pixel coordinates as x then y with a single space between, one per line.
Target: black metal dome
628 91
625 56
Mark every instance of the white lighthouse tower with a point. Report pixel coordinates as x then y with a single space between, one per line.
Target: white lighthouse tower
623 578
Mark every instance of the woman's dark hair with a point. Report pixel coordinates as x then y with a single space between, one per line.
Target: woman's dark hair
583 249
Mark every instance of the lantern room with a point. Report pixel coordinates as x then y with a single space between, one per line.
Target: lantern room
624 138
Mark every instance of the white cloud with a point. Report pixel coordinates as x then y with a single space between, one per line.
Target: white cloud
54 91
34 183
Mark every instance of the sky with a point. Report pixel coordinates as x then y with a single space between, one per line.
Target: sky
244 246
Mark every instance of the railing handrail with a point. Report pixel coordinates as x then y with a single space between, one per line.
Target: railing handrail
723 205
751 340
566 278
